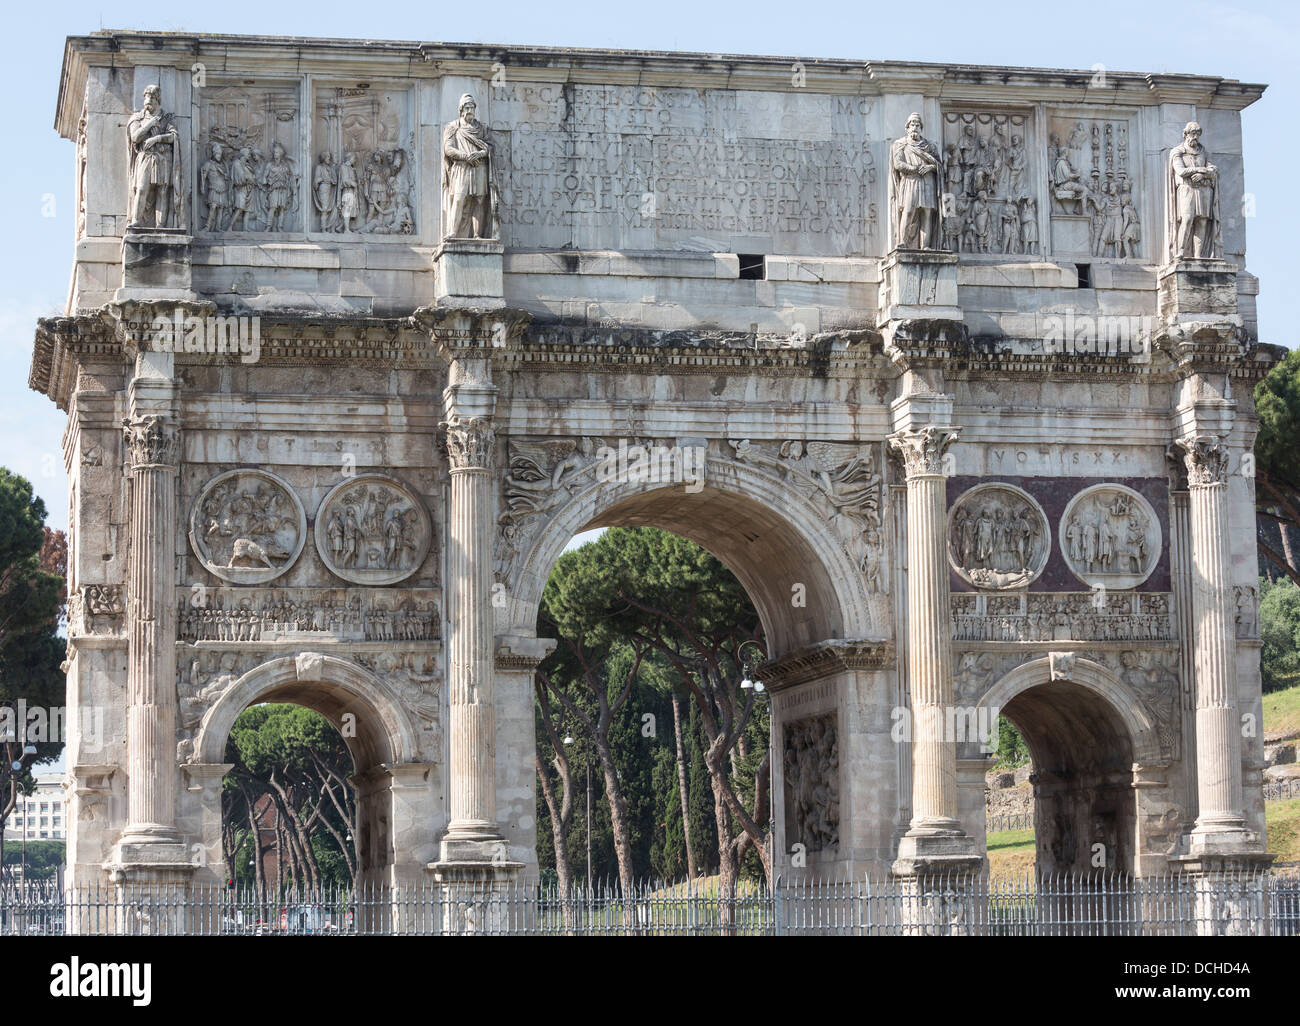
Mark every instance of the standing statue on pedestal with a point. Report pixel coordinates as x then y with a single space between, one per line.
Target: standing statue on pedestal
915 177
1194 227
469 191
155 165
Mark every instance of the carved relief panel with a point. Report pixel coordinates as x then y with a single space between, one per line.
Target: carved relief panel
1095 210
249 166
997 537
989 192
363 171
811 760
247 526
1110 537
372 530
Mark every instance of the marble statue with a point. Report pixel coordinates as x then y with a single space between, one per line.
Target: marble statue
469 192
1192 201
156 177
915 174
214 184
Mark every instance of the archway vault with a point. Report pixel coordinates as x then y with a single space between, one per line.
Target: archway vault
788 557
385 732
1062 675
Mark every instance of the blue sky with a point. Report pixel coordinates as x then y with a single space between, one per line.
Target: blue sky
1250 41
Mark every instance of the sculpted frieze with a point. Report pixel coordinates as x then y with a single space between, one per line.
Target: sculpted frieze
249 177
1067 616
372 529
364 177
211 614
812 782
247 526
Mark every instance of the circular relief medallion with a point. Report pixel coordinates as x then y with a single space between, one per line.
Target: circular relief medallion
247 526
998 537
372 530
1110 537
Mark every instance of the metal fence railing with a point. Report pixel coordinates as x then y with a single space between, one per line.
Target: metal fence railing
1265 902
1021 821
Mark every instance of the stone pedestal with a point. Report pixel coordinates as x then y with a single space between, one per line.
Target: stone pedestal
918 284
469 272
156 264
482 899
1197 290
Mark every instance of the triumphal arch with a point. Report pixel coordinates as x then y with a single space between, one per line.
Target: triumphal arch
951 365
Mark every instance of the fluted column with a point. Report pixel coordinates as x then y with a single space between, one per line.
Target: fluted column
152 448
929 649
472 718
1218 726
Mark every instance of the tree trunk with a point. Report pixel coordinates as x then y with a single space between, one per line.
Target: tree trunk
617 815
691 869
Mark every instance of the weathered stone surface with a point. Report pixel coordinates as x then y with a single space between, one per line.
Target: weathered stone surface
691 257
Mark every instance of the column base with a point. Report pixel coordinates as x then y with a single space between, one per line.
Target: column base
479 897
1215 842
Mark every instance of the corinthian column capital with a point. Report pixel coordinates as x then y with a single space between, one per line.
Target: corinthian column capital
470 441
151 441
1206 458
922 449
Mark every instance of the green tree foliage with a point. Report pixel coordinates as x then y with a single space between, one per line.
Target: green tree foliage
1277 459
31 651
1279 630
290 771
43 858
638 615
1011 750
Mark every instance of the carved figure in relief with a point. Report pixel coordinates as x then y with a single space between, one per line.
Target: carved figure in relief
1028 224
1192 200
1067 186
155 176
916 174
1010 227
811 760
469 191
214 184
348 186
279 187
243 529
997 538
324 192
243 181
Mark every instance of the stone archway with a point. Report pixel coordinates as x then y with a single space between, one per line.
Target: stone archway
1088 738
399 809
828 659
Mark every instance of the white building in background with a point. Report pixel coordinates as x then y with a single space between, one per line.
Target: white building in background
40 813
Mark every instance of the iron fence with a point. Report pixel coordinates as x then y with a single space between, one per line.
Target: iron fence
1020 821
1265 902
